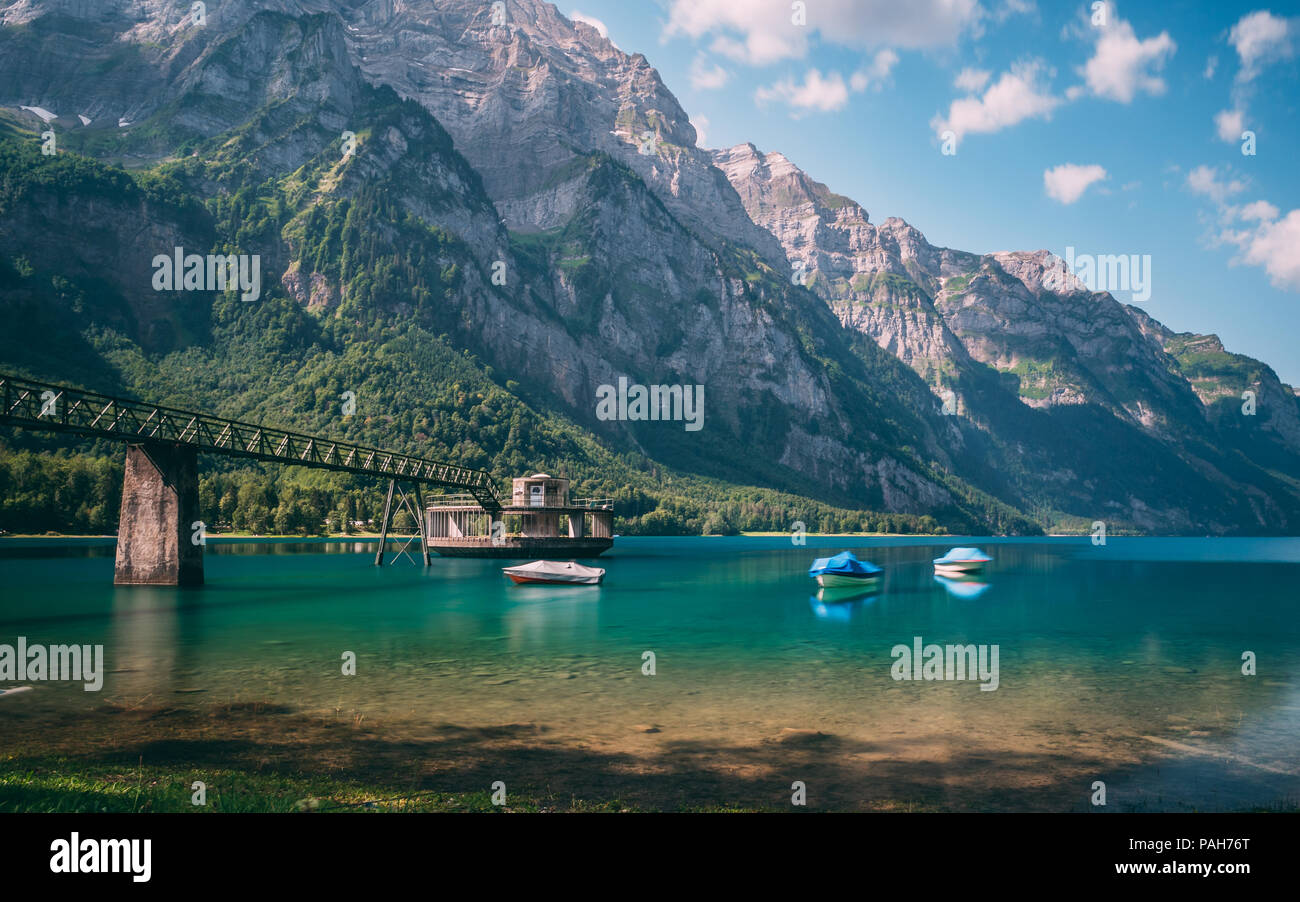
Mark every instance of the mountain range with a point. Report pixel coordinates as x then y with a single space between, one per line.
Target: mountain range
473 219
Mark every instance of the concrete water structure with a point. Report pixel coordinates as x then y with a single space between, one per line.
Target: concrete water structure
160 536
539 521
160 507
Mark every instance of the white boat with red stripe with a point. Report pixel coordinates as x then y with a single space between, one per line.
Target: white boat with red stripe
558 573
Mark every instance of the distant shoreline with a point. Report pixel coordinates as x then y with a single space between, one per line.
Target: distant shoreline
365 536
395 535
211 535
368 536
850 535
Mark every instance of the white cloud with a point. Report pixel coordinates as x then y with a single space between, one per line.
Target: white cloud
706 77
595 23
827 93
1260 38
875 73
760 32
730 48
1067 182
1258 211
1205 180
1229 124
762 48
1266 240
972 80
1009 8
1211 66
1122 66
701 126
817 93
1276 247
1017 95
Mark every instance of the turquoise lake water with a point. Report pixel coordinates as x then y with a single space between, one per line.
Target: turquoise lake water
1120 663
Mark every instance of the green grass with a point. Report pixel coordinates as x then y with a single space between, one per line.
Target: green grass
1038 378
56 785
831 200
889 281
53 785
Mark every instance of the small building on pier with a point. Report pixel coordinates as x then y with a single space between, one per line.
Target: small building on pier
540 521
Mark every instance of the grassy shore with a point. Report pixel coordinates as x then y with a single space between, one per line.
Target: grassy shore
266 757
63 785
54 785
262 757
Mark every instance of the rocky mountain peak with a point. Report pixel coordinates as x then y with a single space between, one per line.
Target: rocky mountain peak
770 181
527 99
1041 396
1038 271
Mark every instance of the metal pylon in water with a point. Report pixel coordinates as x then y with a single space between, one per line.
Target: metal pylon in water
412 503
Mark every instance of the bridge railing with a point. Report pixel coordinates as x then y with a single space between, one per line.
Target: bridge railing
460 499
39 405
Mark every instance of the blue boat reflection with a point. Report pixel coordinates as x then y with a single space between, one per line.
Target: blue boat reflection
965 589
840 603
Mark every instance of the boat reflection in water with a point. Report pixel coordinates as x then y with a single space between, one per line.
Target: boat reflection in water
839 603
965 588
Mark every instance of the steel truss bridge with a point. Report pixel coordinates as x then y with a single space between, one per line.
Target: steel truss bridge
60 408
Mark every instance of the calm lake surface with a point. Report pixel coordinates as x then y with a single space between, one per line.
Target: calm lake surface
1120 663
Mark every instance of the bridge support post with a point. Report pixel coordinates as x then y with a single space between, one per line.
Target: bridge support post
383 527
421 519
160 504
413 504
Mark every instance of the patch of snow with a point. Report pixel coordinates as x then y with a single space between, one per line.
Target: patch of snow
42 112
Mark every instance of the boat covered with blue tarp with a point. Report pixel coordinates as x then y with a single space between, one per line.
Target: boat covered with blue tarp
843 569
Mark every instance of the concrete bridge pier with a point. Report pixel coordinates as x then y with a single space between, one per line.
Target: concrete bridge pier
160 504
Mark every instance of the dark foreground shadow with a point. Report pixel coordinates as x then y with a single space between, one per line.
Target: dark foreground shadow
654 773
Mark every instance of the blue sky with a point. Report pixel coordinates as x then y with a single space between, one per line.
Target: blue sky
1136 109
